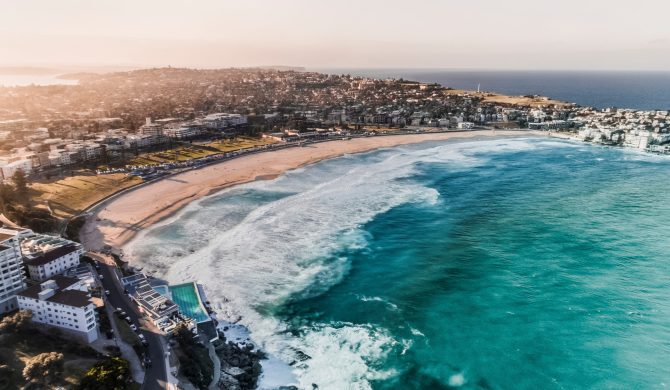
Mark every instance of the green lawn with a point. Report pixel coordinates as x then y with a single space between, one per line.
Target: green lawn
187 152
70 195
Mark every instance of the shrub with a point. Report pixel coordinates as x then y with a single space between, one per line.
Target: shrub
109 374
44 368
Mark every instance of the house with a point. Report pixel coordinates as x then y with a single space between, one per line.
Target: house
64 303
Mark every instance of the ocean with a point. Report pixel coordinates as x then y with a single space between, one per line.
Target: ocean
498 263
21 80
600 89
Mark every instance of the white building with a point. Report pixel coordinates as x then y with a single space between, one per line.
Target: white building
46 256
44 265
64 303
160 310
182 132
638 139
8 169
466 125
151 129
140 140
12 279
223 120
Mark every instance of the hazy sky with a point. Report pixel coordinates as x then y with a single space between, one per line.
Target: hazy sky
494 34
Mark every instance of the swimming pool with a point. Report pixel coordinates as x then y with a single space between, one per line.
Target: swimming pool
187 298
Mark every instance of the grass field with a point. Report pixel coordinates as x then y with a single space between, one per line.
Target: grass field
68 196
192 151
505 99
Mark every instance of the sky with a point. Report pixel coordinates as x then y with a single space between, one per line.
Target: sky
449 34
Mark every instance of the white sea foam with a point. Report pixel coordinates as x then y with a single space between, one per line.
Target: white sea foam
417 332
254 256
390 305
457 380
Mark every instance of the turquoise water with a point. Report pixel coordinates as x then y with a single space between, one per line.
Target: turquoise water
518 263
186 297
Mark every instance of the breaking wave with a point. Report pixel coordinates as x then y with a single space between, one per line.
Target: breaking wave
258 245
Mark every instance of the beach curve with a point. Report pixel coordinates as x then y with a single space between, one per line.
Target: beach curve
117 220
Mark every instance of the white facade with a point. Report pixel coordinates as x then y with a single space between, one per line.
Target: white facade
45 267
12 279
638 139
10 168
140 141
62 303
46 256
466 125
222 120
182 132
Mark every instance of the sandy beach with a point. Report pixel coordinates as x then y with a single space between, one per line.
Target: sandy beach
117 220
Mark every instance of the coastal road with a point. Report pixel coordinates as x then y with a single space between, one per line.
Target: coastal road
156 375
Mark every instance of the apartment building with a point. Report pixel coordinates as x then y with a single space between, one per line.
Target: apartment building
62 302
12 279
53 261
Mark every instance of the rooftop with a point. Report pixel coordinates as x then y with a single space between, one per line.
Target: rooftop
65 292
50 255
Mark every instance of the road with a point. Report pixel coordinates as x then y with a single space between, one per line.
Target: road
156 375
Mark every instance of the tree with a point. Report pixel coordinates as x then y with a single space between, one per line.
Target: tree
6 197
20 185
109 374
44 368
6 374
16 323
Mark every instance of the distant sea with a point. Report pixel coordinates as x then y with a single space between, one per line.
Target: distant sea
19 80
638 90
511 263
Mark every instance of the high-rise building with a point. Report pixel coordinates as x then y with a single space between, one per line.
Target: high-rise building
12 278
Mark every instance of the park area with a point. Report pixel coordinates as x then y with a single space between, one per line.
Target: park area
68 196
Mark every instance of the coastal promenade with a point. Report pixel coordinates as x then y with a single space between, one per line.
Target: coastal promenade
121 217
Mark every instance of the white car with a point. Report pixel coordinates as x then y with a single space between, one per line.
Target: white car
133 327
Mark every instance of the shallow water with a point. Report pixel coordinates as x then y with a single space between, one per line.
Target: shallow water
488 264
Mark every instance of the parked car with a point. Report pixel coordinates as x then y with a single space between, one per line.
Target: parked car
133 327
107 292
143 340
128 319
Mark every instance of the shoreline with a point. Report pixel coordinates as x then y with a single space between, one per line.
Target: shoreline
117 220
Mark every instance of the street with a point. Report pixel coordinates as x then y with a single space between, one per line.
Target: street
156 375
